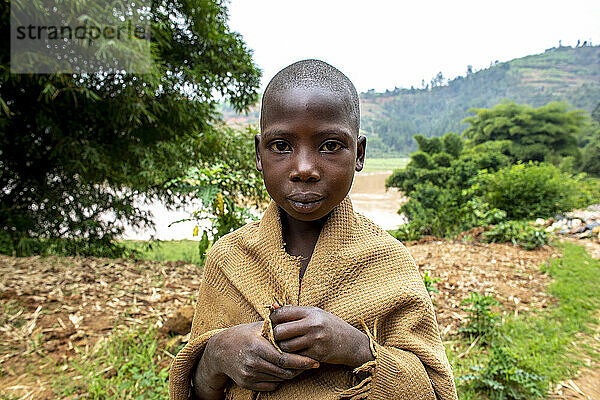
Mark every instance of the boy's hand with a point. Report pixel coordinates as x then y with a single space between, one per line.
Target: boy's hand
242 354
313 332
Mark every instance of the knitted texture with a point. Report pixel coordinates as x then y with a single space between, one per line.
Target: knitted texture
358 272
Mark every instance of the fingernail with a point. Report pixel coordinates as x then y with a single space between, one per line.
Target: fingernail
316 365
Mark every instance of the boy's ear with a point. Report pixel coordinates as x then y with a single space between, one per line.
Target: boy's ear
361 147
257 139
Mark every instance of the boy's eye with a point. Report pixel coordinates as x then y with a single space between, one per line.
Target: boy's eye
331 146
280 146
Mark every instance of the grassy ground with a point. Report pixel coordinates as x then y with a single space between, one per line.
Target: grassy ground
384 164
548 344
123 367
168 250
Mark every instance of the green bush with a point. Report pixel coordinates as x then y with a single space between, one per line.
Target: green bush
533 190
504 378
535 134
438 181
482 321
407 232
590 162
518 233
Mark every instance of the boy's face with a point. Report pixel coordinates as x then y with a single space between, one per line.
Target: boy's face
307 151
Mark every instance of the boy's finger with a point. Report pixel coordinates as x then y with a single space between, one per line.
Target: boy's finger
295 345
271 372
288 313
288 330
289 360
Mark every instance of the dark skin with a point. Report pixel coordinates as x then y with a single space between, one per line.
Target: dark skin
307 152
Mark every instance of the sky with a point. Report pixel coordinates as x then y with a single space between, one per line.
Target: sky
383 44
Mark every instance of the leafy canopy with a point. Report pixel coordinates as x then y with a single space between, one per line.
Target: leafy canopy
76 150
535 134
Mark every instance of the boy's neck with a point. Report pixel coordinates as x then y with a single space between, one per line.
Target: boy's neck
300 237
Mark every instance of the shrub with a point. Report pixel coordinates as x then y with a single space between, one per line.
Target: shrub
503 377
518 233
481 320
533 190
442 159
438 180
406 232
590 162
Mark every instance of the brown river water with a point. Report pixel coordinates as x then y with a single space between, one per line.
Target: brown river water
368 196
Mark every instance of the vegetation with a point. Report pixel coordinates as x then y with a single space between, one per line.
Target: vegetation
72 165
531 350
438 180
503 377
482 321
430 282
225 188
169 250
590 142
559 74
533 190
124 367
518 233
535 134
546 339
383 164
455 184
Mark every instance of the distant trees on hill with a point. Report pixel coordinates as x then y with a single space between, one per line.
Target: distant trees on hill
560 74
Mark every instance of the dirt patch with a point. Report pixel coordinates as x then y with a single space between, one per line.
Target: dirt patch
54 307
507 272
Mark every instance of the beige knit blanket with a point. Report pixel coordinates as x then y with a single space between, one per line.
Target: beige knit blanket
357 272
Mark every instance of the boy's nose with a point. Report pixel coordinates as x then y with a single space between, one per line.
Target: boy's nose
304 168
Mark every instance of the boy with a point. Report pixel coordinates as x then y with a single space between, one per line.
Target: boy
326 271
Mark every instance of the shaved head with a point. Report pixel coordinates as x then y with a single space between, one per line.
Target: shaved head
313 74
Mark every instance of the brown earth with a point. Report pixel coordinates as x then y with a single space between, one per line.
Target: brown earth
53 308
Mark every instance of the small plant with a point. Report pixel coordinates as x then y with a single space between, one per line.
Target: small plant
503 378
124 367
518 233
429 282
407 232
482 321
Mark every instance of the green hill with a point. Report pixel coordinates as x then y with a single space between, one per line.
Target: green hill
390 119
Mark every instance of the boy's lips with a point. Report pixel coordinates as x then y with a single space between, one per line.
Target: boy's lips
305 203
307 197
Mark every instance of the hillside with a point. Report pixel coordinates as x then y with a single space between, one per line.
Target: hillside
390 119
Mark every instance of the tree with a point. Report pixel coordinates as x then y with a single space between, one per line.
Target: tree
590 160
536 134
75 149
438 182
596 113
